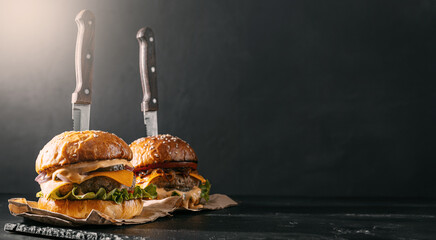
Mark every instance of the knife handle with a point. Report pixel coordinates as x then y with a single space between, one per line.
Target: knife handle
147 69
84 57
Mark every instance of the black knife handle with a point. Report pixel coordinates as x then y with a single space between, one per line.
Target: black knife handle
84 57
147 69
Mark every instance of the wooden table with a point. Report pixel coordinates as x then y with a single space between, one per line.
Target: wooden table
278 218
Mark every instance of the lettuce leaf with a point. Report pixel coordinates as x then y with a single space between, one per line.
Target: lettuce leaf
175 194
116 195
205 189
39 194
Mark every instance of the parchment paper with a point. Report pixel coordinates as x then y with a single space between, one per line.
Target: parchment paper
153 209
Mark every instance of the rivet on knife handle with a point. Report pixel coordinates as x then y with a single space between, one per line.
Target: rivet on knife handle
147 68
84 57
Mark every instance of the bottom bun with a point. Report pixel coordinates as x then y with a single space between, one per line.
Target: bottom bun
82 208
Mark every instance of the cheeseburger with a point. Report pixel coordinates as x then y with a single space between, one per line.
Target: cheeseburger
169 163
82 171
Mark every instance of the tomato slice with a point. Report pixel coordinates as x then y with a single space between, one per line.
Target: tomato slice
172 164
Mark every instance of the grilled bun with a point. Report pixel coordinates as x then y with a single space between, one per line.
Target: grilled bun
81 209
74 147
160 148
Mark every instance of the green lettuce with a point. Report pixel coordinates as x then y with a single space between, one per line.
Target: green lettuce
116 195
175 194
205 189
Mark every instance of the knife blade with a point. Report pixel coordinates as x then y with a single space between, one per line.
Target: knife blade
147 68
81 97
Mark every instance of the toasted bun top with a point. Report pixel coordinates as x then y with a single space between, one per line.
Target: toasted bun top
160 148
74 147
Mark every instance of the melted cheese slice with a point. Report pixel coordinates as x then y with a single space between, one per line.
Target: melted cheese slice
198 176
190 199
144 182
74 174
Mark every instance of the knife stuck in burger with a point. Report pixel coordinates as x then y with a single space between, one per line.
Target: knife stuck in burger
81 97
163 160
147 69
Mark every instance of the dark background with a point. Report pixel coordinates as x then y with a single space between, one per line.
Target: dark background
299 98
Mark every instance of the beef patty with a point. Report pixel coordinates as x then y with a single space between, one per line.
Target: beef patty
176 180
94 184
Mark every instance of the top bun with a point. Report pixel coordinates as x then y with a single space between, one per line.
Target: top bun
74 147
160 148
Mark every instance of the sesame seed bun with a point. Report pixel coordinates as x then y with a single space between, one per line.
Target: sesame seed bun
74 147
160 148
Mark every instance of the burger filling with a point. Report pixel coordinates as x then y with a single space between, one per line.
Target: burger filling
102 180
175 179
93 185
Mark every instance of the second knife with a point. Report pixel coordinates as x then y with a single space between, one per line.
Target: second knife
147 68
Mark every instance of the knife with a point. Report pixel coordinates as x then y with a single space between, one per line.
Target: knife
81 97
147 69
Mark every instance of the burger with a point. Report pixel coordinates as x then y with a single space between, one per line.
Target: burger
89 170
171 164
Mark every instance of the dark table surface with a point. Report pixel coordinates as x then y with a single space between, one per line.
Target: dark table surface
278 218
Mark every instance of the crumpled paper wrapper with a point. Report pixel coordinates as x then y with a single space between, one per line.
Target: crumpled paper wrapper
153 209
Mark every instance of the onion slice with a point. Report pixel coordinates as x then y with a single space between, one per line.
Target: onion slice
126 167
62 178
42 178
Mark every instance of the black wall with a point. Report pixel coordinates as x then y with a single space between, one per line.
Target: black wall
302 98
